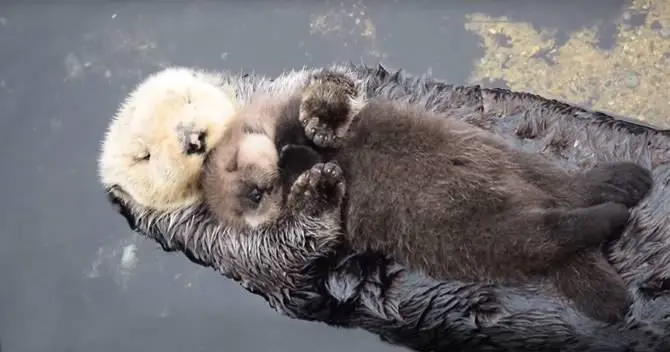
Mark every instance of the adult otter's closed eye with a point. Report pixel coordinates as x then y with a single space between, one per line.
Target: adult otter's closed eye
441 195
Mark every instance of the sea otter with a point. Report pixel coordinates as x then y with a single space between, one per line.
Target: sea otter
431 191
440 314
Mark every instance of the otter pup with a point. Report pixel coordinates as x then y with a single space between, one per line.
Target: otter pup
430 191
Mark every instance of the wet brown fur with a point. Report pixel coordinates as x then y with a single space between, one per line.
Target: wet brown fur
436 194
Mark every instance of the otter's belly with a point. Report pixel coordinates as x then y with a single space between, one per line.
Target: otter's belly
416 210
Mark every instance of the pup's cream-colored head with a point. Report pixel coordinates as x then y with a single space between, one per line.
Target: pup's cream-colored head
155 146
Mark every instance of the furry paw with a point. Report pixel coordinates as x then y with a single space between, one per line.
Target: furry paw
595 288
318 189
612 305
589 227
615 217
623 182
327 109
604 223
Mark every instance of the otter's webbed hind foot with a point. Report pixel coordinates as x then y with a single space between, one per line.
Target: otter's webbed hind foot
566 232
589 227
328 105
621 182
594 287
318 190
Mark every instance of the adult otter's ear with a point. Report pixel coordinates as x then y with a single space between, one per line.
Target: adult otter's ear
121 207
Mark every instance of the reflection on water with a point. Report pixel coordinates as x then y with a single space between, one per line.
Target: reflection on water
628 77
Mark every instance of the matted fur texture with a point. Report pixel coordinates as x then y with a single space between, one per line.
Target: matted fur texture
358 290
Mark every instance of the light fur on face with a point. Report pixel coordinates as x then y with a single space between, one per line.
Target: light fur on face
146 151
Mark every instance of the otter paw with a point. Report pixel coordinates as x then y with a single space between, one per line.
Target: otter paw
622 182
327 108
607 222
318 189
334 181
606 304
321 134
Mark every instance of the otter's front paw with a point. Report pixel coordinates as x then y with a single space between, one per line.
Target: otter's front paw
327 108
601 223
319 189
622 182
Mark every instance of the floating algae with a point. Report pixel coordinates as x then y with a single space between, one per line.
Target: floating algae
629 79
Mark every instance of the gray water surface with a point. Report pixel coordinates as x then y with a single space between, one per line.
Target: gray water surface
74 278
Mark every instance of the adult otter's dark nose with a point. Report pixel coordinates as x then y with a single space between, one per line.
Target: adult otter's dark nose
195 143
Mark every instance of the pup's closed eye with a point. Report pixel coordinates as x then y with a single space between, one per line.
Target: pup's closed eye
255 193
